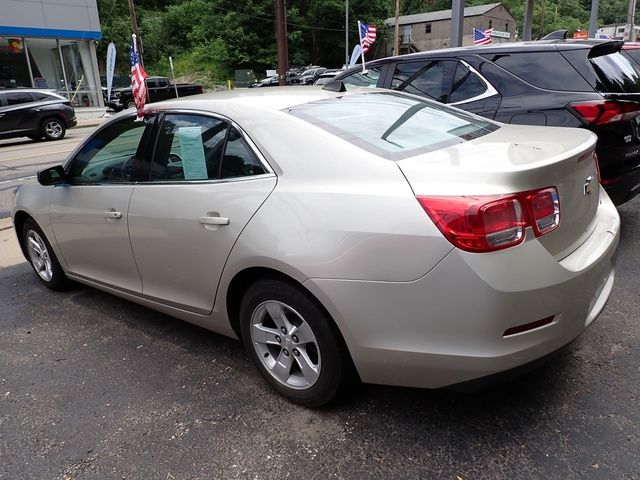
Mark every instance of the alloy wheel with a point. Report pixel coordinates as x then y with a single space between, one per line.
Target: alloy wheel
286 345
39 255
53 128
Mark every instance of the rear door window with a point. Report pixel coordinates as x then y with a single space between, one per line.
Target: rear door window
547 69
466 85
431 79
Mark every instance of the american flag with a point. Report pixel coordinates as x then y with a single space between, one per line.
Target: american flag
138 85
481 37
367 36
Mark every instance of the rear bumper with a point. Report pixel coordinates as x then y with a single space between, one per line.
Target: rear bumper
625 188
448 327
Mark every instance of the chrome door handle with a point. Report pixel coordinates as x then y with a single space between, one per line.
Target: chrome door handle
112 214
214 220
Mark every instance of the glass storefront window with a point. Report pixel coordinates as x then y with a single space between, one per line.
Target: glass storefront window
83 87
14 72
45 64
66 66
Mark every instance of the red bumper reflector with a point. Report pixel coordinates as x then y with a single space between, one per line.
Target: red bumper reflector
527 326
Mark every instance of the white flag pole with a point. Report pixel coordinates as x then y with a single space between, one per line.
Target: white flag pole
364 70
175 85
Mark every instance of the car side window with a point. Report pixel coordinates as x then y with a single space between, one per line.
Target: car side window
466 85
238 159
16 98
198 147
162 82
112 155
359 79
430 79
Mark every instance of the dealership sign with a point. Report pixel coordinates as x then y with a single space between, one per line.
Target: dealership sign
499 34
111 65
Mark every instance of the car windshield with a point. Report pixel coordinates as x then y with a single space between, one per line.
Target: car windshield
308 72
393 125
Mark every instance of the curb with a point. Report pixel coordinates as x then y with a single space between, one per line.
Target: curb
6 223
94 122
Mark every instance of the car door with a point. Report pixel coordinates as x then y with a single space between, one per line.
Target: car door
89 212
206 181
15 112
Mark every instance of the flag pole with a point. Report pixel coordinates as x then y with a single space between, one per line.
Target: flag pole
364 70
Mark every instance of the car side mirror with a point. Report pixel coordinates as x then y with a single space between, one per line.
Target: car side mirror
52 176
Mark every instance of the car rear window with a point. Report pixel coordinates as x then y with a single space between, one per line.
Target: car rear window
546 69
393 125
616 74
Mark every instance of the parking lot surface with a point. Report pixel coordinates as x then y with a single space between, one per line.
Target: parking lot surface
94 387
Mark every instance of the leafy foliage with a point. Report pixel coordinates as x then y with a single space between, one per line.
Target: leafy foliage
211 38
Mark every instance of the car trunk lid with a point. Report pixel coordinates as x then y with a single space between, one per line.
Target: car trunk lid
518 159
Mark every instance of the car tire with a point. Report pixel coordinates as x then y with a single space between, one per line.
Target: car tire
311 368
42 258
130 104
53 128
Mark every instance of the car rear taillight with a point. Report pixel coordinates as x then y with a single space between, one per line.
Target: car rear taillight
600 112
487 223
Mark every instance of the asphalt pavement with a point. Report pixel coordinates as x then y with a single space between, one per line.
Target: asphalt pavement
94 387
21 158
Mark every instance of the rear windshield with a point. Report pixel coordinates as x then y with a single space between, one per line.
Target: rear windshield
616 74
393 125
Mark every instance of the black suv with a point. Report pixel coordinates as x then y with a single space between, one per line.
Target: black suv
560 83
35 114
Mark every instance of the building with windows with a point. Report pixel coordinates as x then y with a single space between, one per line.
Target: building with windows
51 44
431 31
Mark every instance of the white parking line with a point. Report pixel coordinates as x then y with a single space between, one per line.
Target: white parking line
2 182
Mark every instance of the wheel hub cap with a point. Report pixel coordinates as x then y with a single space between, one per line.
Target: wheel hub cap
285 344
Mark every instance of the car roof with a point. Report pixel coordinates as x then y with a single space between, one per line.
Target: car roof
29 90
533 46
276 98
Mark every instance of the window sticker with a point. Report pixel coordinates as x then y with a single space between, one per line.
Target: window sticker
192 150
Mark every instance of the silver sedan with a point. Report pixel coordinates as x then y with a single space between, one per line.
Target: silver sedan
372 235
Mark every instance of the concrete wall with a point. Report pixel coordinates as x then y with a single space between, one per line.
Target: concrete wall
50 18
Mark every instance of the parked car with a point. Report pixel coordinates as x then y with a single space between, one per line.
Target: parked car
583 83
412 244
159 88
308 76
326 77
271 81
35 113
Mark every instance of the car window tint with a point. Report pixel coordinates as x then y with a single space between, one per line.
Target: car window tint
429 79
466 84
41 96
110 155
359 79
239 160
616 74
392 125
16 98
189 148
549 70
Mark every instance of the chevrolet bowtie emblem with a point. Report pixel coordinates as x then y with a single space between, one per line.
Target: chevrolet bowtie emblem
589 185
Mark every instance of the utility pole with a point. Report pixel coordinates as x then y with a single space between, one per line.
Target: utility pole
346 33
457 23
593 19
542 19
134 27
281 41
631 19
396 37
528 19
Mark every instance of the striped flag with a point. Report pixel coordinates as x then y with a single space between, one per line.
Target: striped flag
367 36
138 85
482 37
